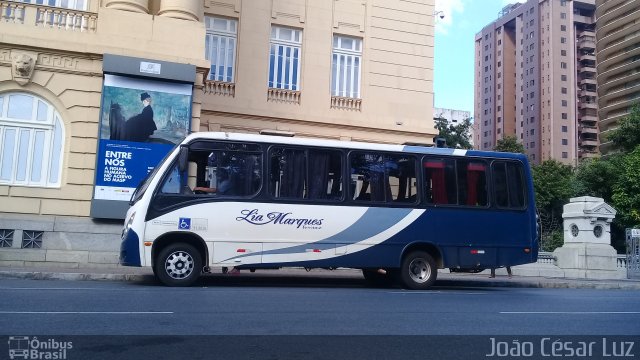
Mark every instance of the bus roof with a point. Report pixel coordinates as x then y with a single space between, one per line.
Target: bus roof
347 144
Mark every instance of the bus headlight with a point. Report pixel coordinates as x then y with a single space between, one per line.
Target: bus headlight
128 225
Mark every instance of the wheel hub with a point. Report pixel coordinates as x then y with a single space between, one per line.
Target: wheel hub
419 270
179 265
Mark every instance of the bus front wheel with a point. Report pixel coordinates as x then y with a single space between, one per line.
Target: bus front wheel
178 265
418 270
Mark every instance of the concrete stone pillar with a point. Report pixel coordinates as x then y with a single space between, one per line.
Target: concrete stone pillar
182 9
587 250
139 6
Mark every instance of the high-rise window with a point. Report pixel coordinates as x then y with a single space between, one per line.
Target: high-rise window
565 142
284 58
31 141
345 68
220 47
565 128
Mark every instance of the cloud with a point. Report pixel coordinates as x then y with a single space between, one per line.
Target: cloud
448 8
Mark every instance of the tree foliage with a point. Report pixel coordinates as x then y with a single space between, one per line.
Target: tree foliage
456 136
553 186
509 144
626 190
596 177
627 136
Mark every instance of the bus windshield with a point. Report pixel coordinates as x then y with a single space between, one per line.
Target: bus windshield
144 184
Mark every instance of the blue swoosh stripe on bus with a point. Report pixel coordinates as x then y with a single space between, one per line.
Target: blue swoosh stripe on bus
371 223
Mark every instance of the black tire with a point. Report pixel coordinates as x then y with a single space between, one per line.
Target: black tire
178 265
418 271
378 280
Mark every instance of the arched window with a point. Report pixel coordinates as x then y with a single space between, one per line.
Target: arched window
31 141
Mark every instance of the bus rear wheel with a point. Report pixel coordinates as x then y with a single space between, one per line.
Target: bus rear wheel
178 265
418 271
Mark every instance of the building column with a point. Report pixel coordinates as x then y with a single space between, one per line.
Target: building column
139 6
181 9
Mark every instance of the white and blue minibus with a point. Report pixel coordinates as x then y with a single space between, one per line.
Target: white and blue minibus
399 213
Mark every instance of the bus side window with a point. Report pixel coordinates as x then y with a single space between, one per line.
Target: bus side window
173 183
440 181
472 183
369 174
516 185
500 191
305 174
508 184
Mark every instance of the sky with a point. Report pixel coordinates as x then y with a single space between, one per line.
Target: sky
455 46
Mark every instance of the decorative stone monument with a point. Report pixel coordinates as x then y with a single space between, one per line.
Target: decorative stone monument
587 251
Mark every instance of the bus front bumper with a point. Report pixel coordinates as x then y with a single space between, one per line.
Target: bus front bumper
130 249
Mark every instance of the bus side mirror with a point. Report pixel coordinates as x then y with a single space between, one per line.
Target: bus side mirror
183 159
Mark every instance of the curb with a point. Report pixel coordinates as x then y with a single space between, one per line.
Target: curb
284 277
45 275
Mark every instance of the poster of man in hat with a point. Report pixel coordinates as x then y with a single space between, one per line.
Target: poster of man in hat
141 120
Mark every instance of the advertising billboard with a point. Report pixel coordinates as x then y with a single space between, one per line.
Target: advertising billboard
141 120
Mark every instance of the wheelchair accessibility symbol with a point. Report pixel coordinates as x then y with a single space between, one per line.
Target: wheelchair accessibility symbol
184 224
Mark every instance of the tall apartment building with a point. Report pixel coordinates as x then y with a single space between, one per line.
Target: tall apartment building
618 53
535 80
347 69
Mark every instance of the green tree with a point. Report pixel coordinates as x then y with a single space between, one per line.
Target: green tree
626 190
553 186
456 136
627 136
596 177
509 144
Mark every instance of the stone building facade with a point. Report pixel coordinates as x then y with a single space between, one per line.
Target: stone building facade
339 69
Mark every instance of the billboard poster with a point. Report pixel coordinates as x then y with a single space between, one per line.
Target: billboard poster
141 120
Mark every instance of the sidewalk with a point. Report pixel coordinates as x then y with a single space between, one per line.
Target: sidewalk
296 275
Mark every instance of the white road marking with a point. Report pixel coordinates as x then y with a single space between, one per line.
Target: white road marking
434 292
90 312
570 312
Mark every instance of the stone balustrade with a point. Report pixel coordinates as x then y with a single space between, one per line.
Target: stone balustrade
283 96
48 16
220 88
346 103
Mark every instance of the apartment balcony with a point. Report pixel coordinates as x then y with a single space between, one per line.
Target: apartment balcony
588 154
585 82
588 33
587 70
588 119
587 57
588 105
589 142
587 42
583 19
587 129
584 93
47 17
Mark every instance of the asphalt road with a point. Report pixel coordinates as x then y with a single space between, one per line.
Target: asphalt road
291 306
